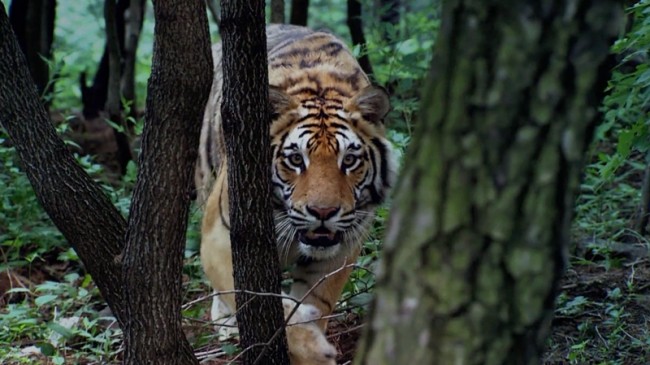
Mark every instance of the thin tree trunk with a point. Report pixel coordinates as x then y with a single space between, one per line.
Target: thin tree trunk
94 97
33 22
277 11
133 27
68 195
299 12
246 120
356 31
390 10
113 96
153 256
479 226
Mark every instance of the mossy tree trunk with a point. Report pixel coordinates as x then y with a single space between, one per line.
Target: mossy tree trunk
480 221
246 120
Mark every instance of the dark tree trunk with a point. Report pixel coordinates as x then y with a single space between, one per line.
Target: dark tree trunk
33 23
475 245
113 96
153 256
69 196
356 31
246 120
277 11
94 97
299 12
390 11
133 27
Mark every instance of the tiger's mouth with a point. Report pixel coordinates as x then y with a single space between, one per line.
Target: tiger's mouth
320 237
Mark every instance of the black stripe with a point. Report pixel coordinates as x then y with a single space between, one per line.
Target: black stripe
383 159
221 216
339 125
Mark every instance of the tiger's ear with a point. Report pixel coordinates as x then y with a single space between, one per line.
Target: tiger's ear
372 102
279 102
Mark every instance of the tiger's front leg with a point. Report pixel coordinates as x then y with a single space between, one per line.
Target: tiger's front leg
306 339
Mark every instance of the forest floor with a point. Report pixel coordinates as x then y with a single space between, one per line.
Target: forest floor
602 313
602 316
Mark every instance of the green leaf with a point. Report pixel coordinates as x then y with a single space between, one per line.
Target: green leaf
230 349
17 290
44 299
63 331
361 300
46 348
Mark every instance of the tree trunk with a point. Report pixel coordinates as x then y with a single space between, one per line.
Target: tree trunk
390 12
113 96
133 27
153 256
94 97
246 121
277 11
299 12
480 222
69 196
356 31
33 23
141 284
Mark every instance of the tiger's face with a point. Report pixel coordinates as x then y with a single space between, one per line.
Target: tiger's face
331 167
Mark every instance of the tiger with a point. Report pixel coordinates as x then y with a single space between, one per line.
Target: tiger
332 166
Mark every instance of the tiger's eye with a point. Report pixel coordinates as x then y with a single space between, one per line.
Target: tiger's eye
349 160
296 159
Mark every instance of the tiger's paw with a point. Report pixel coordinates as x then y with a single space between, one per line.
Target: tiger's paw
307 343
224 320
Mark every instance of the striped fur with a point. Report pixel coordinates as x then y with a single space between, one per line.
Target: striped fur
332 166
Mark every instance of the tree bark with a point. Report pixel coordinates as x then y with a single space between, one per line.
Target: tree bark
69 196
356 32
299 12
277 11
33 24
480 223
178 89
246 121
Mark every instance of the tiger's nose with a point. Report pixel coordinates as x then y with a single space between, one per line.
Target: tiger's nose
323 213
